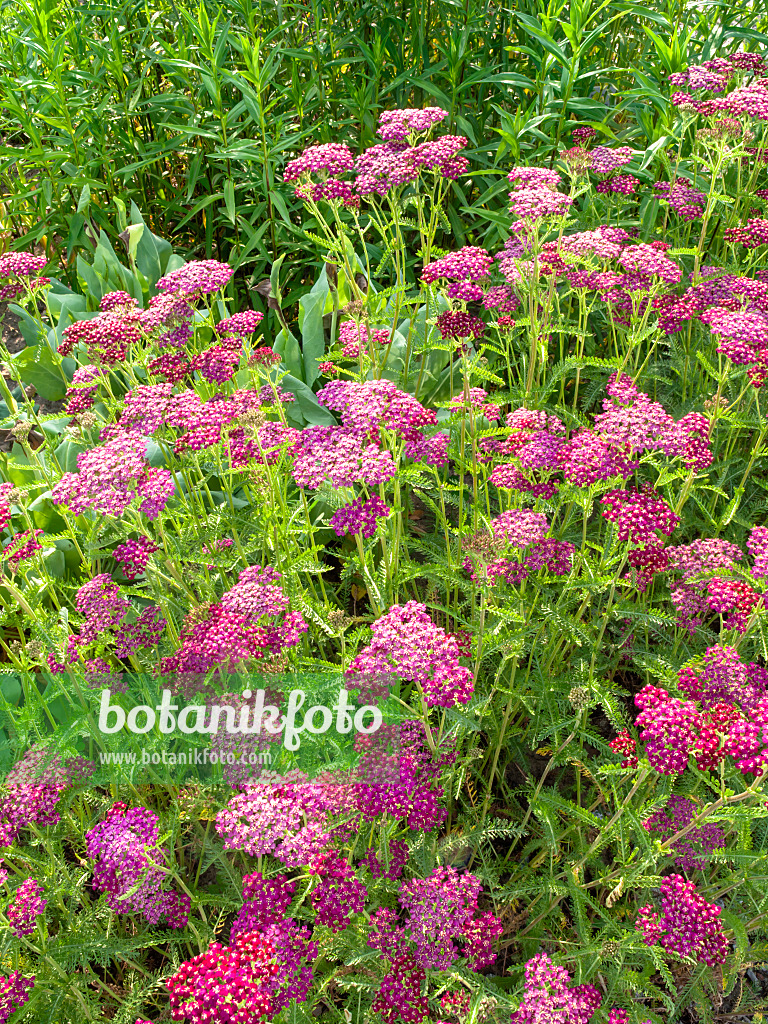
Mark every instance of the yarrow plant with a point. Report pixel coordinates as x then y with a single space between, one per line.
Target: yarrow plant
502 484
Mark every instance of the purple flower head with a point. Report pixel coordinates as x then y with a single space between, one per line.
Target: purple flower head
330 158
25 907
548 996
385 166
133 556
685 924
14 993
407 641
649 261
638 515
467 264
240 324
691 849
396 125
359 517
130 866
338 893
200 277
369 405
343 455
604 160
441 909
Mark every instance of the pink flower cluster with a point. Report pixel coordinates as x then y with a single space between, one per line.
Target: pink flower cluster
686 923
702 557
687 201
691 849
338 893
408 791
751 235
195 279
130 866
477 399
407 641
526 531
467 264
629 424
330 158
85 384
238 628
369 405
396 125
239 325
289 819
114 475
382 167
33 788
226 984
133 556
355 337
720 675
744 335
443 908
15 265
266 902
21 547
342 455
549 996
625 744
14 993
359 517
638 515
736 598
534 196
400 999
25 907
107 337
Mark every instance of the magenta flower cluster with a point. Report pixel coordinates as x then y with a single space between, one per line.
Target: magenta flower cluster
264 910
33 788
133 556
360 516
338 893
226 984
14 993
549 996
290 819
692 848
382 167
252 621
685 923
130 866
441 911
443 908
112 477
406 641
25 907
